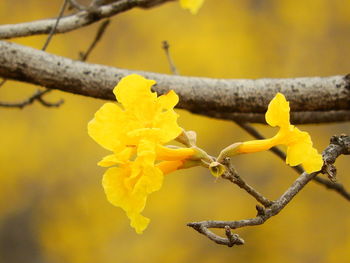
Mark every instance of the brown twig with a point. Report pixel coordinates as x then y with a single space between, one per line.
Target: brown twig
339 145
337 187
232 175
274 209
53 29
173 69
3 81
38 95
100 31
76 5
75 21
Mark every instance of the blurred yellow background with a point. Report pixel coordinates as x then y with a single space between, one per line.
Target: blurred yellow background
52 205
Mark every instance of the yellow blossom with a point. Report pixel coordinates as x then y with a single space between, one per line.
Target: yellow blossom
135 131
192 5
299 144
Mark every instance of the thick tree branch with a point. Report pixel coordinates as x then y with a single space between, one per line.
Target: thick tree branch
75 21
200 95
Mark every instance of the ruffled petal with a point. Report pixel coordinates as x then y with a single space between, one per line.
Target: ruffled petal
150 181
106 127
278 112
168 100
133 90
113 184
167 123
314 162
118 195
138 222
299 145
117 158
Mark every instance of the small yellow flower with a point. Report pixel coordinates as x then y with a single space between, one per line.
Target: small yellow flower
192 5
135 132
299 144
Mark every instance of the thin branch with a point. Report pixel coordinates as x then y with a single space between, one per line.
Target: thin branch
339 145
69 23
3 81
101 30
201 95
173 69
54 28
37 96
274 209
233 177
337 187
76 5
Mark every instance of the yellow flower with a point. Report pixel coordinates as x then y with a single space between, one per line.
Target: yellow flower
192 5
299 144
136 131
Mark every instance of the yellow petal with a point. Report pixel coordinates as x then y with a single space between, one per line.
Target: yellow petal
113 184
168 100
138 222
117 158
256 145
192 5
167 123
106 127
299 147
173 154
120 196
278 111
133 90
169 166
150 181
314 162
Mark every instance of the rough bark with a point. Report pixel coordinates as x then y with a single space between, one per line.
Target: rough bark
314 99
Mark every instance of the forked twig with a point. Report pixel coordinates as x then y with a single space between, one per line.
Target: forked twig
38 95
339 145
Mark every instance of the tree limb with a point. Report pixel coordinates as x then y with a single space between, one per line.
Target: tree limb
197 94
69 23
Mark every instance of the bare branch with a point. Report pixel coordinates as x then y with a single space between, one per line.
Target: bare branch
80 19
339 145
54 28
101 30
37 96
200 95
173 69
274 209
76 5
233 177
337 187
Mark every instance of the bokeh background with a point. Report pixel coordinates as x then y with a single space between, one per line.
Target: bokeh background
52 205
